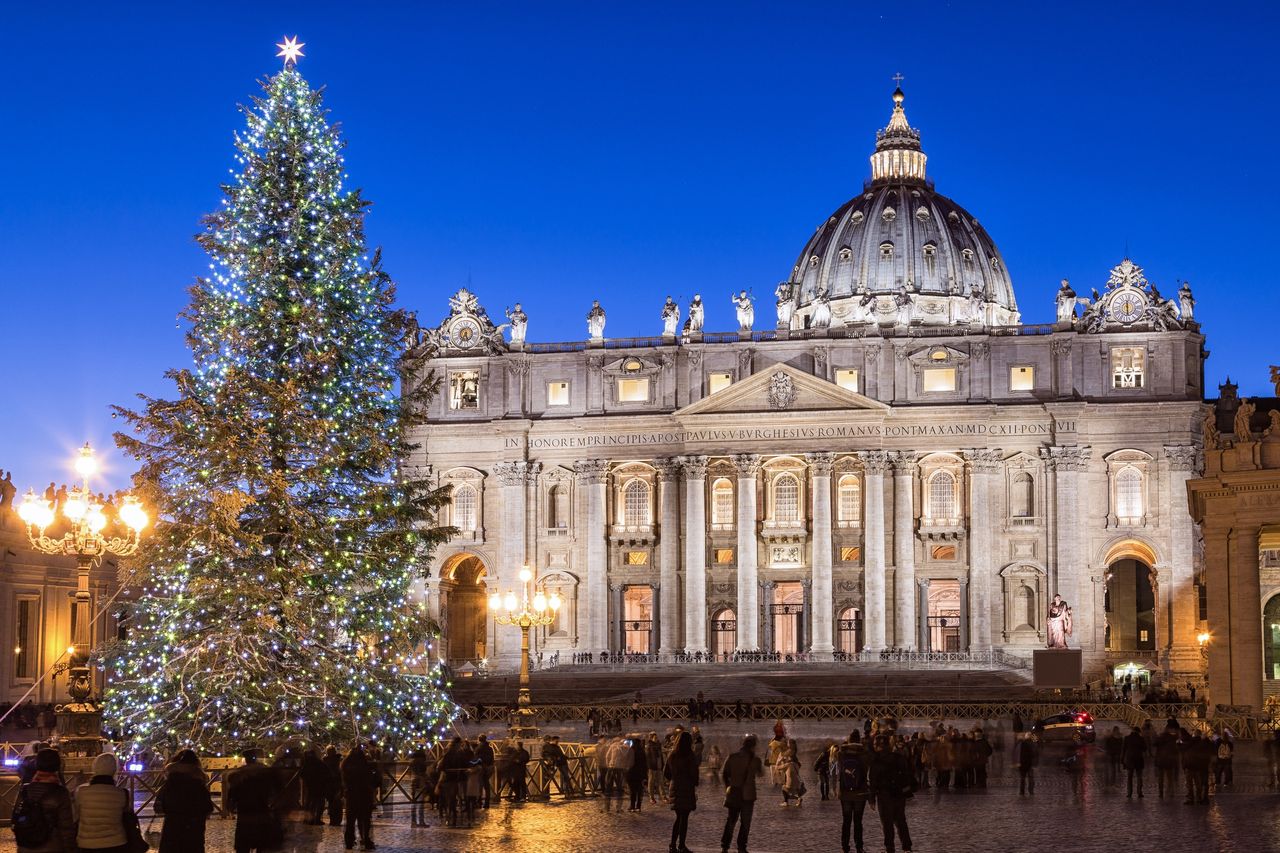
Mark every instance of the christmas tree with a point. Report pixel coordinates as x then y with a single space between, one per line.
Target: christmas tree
275 602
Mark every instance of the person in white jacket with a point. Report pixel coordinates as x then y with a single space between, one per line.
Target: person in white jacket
103 810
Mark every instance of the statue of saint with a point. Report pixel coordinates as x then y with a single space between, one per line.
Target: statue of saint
595 321
1273 428
519 323
694 323
1066 303
8 489
1186 302
864 310
904 302
786 305
746 311
1244 415
1209 428
821 318
670 318
1059 623
976 304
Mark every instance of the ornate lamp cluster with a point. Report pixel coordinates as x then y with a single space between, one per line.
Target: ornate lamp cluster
86 538
526 612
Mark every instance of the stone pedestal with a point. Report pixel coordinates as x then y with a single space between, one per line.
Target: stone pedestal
79 729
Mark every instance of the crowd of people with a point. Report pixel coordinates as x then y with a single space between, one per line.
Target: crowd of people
29 716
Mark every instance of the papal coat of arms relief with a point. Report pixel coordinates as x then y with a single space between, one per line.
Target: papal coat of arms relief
782 390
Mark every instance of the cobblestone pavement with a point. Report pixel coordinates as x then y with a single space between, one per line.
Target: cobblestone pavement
1243 819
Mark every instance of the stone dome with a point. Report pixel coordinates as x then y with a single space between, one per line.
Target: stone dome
900 237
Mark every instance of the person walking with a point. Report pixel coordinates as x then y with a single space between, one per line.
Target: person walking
1113 745
43 818
1166 758
333 763
520 773
250 793
184 799
892 784
653 760
851 774
419 786
359 790
822 767
792 785
1135 760
484 751
681 771
1224 753
315 786
637 773
739 774
1026 757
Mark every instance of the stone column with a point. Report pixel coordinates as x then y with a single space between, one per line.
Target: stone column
966 641
1070 572
875 463
656 626
904 549
748 465
695 553
593 478
1244 636
619 618
768 641
666 605
512 551
1178 590
820 606
983 467
805 642
1217 562
923 610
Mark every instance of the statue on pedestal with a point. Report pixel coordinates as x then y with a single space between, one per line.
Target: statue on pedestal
519 323
694 324
1244 415
1066 303
1186 302
746 311
864 309
786 305
976 304
904 301
1058 627
821 318
670 318
595 321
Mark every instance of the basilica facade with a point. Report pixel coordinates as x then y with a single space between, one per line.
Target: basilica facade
882 457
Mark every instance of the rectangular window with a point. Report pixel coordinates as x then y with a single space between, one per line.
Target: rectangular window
1142 635
633 390
939 379
718 382
24 639
464 389
637 558
557 393
1022 378
724 556
850 553
943 552
847 378
1128 367
1202 601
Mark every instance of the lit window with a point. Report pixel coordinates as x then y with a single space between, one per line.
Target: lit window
1022 378
850 499
942 552
1022 494
847 378
942 496
850 553
722 502
464 508
637 558
718 381
464 389
786 498
1129 493
1127 364
633 390
557 393
939 379
635 502
724 556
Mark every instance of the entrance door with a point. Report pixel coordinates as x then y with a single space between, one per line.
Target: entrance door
724 633
849 631
637 610
944 616
787 610
1130 607
466 610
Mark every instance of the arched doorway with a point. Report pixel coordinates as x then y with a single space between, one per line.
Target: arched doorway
1271 638
724 632
787 612
944 633
466 609
849 631
1130 606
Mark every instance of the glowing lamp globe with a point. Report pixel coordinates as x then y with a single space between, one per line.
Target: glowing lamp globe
539 602
525 575
86 465
35 510
96 518
76 505
132 513
509 601
495 601
554 601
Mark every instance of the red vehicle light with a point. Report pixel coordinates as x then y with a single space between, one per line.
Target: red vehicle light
1083 718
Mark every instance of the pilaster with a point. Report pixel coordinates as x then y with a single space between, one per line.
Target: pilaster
904 549
820 606
984 464
667 599
748 465
875 464
695 553
593 477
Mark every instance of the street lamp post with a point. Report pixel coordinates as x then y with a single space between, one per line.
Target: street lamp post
526 612
88 539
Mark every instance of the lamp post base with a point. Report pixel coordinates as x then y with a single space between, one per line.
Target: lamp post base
79 729
522 724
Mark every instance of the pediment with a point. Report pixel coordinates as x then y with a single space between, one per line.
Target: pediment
781 388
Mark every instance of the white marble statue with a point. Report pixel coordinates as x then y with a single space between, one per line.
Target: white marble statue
595 321
864 308
746 311
670 318
1066 303
905 302
1059 625
519 323
976 305
694 323
821 318
786 305
1186 302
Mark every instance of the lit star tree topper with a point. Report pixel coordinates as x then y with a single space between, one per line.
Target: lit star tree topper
290 530
290 49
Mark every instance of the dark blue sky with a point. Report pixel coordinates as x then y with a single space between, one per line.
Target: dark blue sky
553 153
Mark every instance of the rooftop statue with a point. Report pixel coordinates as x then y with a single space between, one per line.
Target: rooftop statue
905 303
821 318
1244 415
670 318
694 323
1186 303
519 323
786 304
595 321
1066 303
746 311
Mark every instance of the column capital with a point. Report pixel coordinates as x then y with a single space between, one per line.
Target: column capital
875 461
820 463
806 583
512 473
748 464
1183 457
984 460
1070 457
903 461
591 471
668 469
695 467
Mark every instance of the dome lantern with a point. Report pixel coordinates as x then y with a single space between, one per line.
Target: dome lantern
898 156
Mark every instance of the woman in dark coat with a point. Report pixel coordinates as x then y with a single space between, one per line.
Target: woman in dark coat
358 789
636 774
185 802
682 772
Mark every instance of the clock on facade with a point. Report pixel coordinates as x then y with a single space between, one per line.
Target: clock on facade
464 332
1127 306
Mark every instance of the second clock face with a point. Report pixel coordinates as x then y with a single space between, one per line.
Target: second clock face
1127 307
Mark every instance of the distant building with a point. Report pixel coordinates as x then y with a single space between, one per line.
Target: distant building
882 456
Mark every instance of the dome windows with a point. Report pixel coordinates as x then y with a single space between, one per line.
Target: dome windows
846 253
814 261
930 252
922 214
966 255
856 218
953 218
886 251
995 263
888 214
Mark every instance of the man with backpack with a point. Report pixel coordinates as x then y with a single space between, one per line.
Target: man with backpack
892 783
850 772
42 816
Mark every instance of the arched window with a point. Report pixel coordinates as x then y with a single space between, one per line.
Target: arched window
942 496
1271 639
635 503
722 502
558 507
1129 493
464 508
786 498
930 257
849 631
850 499
1022 498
